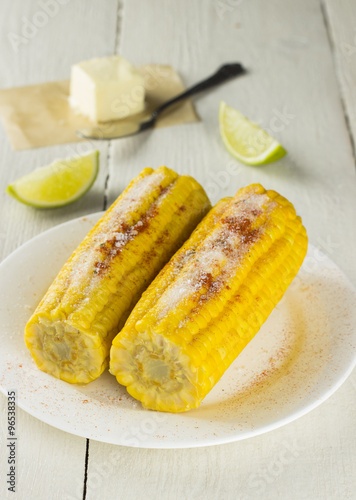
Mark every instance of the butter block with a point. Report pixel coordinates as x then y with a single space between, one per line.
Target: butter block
106 88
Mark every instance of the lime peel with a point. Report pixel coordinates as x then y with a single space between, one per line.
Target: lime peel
245 140
58 184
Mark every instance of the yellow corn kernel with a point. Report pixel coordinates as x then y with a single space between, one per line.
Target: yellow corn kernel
70 333
210 300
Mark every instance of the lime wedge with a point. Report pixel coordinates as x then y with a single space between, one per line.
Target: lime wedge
246 141
57 184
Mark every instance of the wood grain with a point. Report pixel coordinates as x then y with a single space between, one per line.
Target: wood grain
340 20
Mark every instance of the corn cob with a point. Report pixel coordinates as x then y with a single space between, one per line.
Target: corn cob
210 300
70 333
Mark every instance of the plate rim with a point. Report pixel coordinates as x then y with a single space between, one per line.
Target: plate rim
159 444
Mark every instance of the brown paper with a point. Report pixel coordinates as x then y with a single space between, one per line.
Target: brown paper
40 115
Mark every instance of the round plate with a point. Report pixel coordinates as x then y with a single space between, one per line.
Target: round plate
301 355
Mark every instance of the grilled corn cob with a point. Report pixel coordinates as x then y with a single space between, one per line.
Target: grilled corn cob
70 333
210 300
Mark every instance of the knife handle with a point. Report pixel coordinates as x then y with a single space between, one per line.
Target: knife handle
226 72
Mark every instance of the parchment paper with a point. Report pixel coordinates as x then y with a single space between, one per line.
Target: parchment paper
40 115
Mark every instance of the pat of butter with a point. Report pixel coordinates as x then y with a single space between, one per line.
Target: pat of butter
106 88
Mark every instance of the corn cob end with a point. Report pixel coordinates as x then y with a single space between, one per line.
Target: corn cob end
155 371
64 351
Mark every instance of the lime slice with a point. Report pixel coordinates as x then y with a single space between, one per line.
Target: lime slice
57 184
246 141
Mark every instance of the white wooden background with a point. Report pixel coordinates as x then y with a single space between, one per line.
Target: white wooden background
302 61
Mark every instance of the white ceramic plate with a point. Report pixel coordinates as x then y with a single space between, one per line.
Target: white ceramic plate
302 354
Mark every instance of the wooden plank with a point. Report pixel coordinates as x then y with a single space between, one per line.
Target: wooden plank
50 463
340 20
296 462
283 91
292 90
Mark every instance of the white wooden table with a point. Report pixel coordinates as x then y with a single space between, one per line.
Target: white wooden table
302 61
